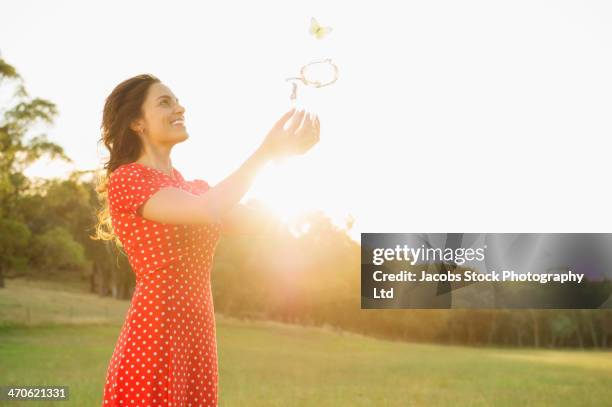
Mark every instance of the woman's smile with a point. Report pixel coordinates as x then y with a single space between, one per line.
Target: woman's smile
178 122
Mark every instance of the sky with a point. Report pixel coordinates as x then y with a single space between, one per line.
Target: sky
472 116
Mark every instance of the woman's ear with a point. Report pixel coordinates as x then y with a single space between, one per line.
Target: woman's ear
137 126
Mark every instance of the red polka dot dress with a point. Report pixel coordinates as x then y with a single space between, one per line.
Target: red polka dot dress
166 353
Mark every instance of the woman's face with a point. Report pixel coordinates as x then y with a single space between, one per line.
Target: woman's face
163 121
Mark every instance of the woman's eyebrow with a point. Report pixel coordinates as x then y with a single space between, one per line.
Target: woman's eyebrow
166 96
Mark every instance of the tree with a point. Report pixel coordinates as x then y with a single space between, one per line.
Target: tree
17 151
561 326
57 249
14 238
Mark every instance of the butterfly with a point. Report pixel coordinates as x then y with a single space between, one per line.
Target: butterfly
317 30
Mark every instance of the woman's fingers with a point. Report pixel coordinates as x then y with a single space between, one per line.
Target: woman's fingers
296 121
308 133
308 122
284 119
313 121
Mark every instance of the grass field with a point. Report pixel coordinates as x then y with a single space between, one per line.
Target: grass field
273 364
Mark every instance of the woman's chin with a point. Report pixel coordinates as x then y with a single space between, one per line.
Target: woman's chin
183 136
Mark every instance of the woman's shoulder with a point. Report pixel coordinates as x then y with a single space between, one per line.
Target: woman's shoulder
127 168
134 173
129 173
130 185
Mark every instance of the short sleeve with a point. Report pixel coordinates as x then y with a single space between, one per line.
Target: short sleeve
201 185
129 188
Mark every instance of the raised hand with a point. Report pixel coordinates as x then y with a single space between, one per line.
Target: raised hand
294 140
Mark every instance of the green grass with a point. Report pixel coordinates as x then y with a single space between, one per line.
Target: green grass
34 302
273 364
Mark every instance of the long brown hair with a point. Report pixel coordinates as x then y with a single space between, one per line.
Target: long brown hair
122 107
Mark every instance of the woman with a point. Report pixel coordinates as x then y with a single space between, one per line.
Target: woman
166 353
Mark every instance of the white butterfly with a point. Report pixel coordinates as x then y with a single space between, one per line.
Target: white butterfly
317 30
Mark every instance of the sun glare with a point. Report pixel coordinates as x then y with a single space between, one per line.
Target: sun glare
290 191
286 189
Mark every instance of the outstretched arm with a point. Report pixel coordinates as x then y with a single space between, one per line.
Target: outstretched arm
176 206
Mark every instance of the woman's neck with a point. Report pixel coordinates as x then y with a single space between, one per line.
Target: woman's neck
163 165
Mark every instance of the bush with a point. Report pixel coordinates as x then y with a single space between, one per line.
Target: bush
57 249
